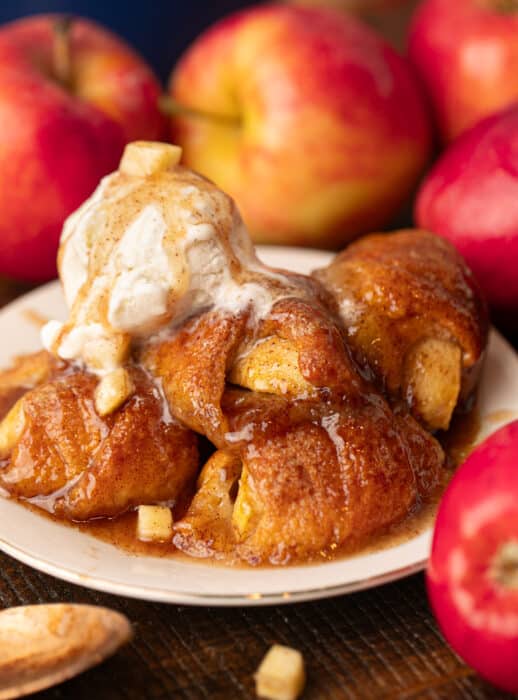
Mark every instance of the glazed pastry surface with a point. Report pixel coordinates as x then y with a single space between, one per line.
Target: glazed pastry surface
414 317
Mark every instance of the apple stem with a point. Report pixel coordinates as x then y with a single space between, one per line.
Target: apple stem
505 565
170 107
61 56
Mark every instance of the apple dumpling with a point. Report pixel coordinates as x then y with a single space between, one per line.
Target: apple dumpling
307 449
61 451
296 350
414 319
176 329
302 478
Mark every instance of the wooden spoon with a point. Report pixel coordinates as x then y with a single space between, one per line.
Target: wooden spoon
42 645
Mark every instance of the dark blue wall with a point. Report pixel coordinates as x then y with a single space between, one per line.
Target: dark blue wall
159 30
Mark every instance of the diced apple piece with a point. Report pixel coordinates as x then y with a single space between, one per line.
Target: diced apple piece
271 366
243 513
281 675
155 523
11 428
143 158
432 380
112 391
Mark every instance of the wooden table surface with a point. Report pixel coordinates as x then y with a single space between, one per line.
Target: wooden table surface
381 643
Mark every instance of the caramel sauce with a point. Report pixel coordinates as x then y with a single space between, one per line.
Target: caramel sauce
35 318
121 533
501 416
457 442
461 438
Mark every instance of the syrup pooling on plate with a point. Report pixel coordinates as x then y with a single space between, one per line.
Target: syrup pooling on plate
458 442
176 330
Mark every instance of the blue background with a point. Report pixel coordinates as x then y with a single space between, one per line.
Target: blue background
159 30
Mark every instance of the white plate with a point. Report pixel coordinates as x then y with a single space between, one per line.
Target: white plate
79 558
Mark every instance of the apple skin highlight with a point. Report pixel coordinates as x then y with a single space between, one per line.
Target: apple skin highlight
57 141
314 124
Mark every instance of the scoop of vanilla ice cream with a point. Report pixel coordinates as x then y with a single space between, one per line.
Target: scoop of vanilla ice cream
153 243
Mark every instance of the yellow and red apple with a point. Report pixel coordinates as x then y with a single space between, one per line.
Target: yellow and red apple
69 101
306 117
466 53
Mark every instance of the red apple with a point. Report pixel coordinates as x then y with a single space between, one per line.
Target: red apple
69 101
471 198
466 52
306 117
472 574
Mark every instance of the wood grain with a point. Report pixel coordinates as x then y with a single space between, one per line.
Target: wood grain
376 644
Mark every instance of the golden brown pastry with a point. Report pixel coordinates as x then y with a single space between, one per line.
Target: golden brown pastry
296 349
192 366
306 455
300 479
25 373
69 460
414 317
